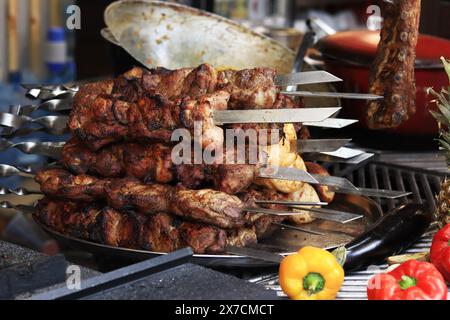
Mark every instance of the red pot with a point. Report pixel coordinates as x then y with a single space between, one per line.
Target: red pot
349 55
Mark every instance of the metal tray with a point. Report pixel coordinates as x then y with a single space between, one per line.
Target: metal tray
290 240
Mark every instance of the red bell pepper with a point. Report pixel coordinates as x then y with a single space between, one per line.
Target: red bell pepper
440 251
412 280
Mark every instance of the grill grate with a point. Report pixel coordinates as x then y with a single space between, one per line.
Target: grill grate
424 185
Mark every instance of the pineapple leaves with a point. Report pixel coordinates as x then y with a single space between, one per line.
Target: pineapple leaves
441 99
446 136
439 117
446 66
443 114
445 146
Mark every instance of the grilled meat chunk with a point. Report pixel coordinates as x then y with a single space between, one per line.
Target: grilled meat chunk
88 93
202 238
392 74
153 163
242 237
249 89
129 193
110 119
206 206
158 233
106 163
171 85
62 184
150 162
149 104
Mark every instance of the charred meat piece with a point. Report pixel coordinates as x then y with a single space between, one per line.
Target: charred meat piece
95 123
249 89
171 85
392 74
149 104
150 162
88 93
206 206
158 233
106 163
203 238
153 163
242 237
131 194
62 184
110 119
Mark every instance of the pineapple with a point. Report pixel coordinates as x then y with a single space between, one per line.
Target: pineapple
443 118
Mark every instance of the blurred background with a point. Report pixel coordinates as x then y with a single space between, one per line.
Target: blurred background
26 51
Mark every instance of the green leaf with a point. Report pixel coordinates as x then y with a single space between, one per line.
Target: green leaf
445 112
446 136
444 144
441 99
439 117
446 66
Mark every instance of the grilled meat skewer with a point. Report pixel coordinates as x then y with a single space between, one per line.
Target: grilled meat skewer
205 206
392 74
159 232
154 163
150 104
251 88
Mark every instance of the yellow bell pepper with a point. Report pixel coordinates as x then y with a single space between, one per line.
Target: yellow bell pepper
311 274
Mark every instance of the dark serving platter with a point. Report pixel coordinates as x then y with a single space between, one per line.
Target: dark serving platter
283 241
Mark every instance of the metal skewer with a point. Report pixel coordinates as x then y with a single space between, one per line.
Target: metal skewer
339 184
291 203
56 125
319 145
332 123
7 170
18 192
288 226
337 95
59 92
54 105
319 213
48 149
20 208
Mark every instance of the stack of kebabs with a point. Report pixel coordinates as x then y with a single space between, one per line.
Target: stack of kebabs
120 186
